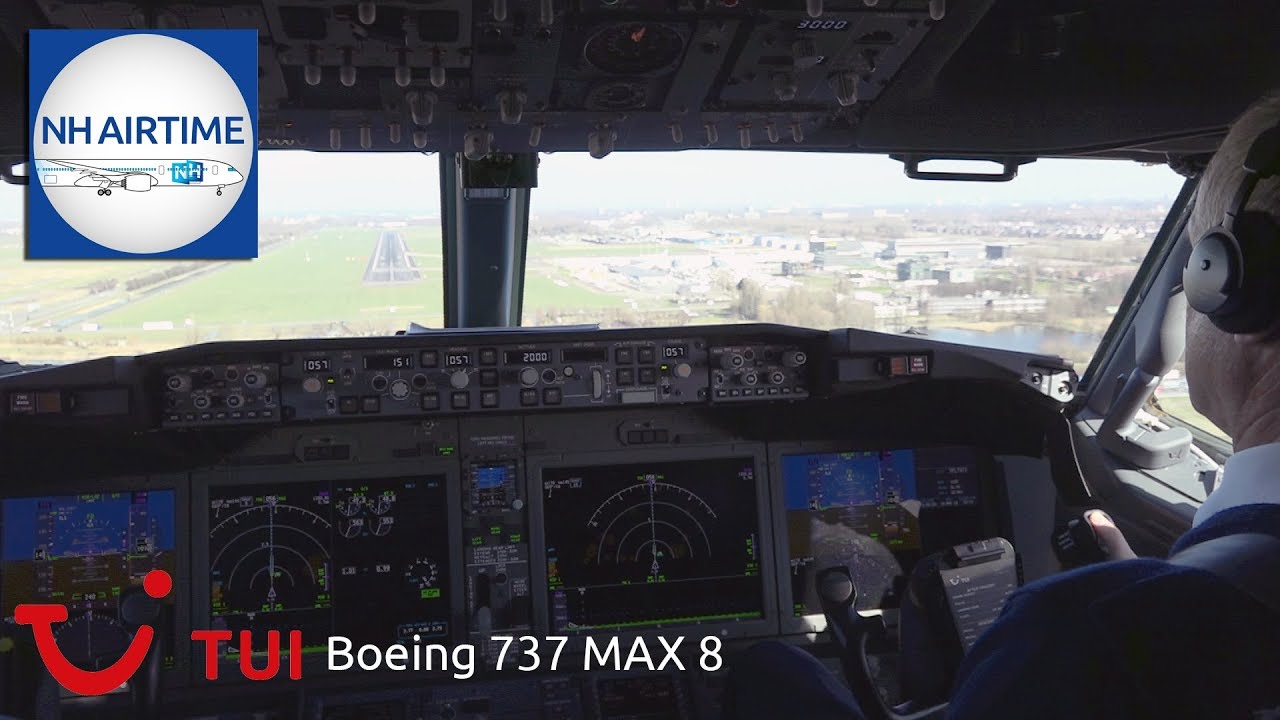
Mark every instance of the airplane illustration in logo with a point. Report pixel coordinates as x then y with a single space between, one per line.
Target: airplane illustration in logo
136 175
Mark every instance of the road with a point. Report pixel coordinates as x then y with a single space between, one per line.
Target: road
391 262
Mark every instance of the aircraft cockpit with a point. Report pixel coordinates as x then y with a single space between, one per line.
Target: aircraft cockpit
583 346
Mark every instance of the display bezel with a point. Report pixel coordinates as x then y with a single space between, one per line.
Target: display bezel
181 593
271 477
766 625
816 623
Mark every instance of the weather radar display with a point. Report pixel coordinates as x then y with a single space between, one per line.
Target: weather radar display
652 545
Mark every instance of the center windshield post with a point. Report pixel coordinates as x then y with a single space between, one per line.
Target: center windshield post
484 206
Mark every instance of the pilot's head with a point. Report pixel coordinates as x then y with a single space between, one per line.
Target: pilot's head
1235 378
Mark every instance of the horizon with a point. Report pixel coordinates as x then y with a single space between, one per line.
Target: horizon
296 184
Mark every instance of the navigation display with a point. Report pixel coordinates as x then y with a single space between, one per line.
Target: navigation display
652 544
877 512
86 552
365 559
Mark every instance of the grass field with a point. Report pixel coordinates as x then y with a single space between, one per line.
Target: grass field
313 280
306 287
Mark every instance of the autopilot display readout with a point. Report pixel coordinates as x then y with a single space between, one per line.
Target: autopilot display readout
365 559
86 552
652 544
877 512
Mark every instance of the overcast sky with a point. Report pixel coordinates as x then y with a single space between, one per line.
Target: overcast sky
299 182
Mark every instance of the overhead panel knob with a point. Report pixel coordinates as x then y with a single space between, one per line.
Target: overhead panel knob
459 379
845 87
422 106
419 139
713 134
546 11
366 137
347 71
813 7
437 74
600 142
499 10
771 131
797 133
511 106
311 71
804 53
393 132
535 135
477 144
744 136
367 11
784 86
335 138
677 132
404 74
937 9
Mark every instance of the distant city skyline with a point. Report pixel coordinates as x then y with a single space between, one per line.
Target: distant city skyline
294 183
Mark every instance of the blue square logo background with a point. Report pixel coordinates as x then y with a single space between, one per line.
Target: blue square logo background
49 236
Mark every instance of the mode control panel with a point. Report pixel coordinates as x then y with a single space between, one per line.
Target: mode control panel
752 372
465 379
221 394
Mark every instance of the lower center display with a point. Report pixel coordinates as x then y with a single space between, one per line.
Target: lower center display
363 559
651 545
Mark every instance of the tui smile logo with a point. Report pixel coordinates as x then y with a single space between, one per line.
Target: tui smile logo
41 618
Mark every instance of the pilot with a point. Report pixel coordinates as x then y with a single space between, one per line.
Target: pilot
1130 638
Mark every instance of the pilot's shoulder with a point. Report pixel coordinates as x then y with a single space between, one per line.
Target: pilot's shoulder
1099 582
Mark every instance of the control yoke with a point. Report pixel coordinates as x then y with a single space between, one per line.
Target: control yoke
136 609
976 578
856 635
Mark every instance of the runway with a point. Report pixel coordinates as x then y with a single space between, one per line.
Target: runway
391 262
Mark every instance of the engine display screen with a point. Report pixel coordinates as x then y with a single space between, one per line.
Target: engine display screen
86 552
652 545
876 512
364 559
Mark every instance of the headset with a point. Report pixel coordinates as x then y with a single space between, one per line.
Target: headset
1233 274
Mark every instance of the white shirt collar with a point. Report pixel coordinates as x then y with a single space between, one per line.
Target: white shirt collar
1249 477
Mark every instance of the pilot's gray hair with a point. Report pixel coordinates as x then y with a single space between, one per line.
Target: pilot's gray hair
1223 175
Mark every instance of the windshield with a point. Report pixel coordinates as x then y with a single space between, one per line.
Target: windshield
695 237
342 252
1039 264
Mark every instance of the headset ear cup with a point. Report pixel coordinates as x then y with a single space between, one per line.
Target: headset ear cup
1212 276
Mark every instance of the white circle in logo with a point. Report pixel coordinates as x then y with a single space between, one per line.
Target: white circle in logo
151 76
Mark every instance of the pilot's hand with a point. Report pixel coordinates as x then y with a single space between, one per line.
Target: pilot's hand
1110 539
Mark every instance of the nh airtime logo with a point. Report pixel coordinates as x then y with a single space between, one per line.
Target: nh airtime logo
143 144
